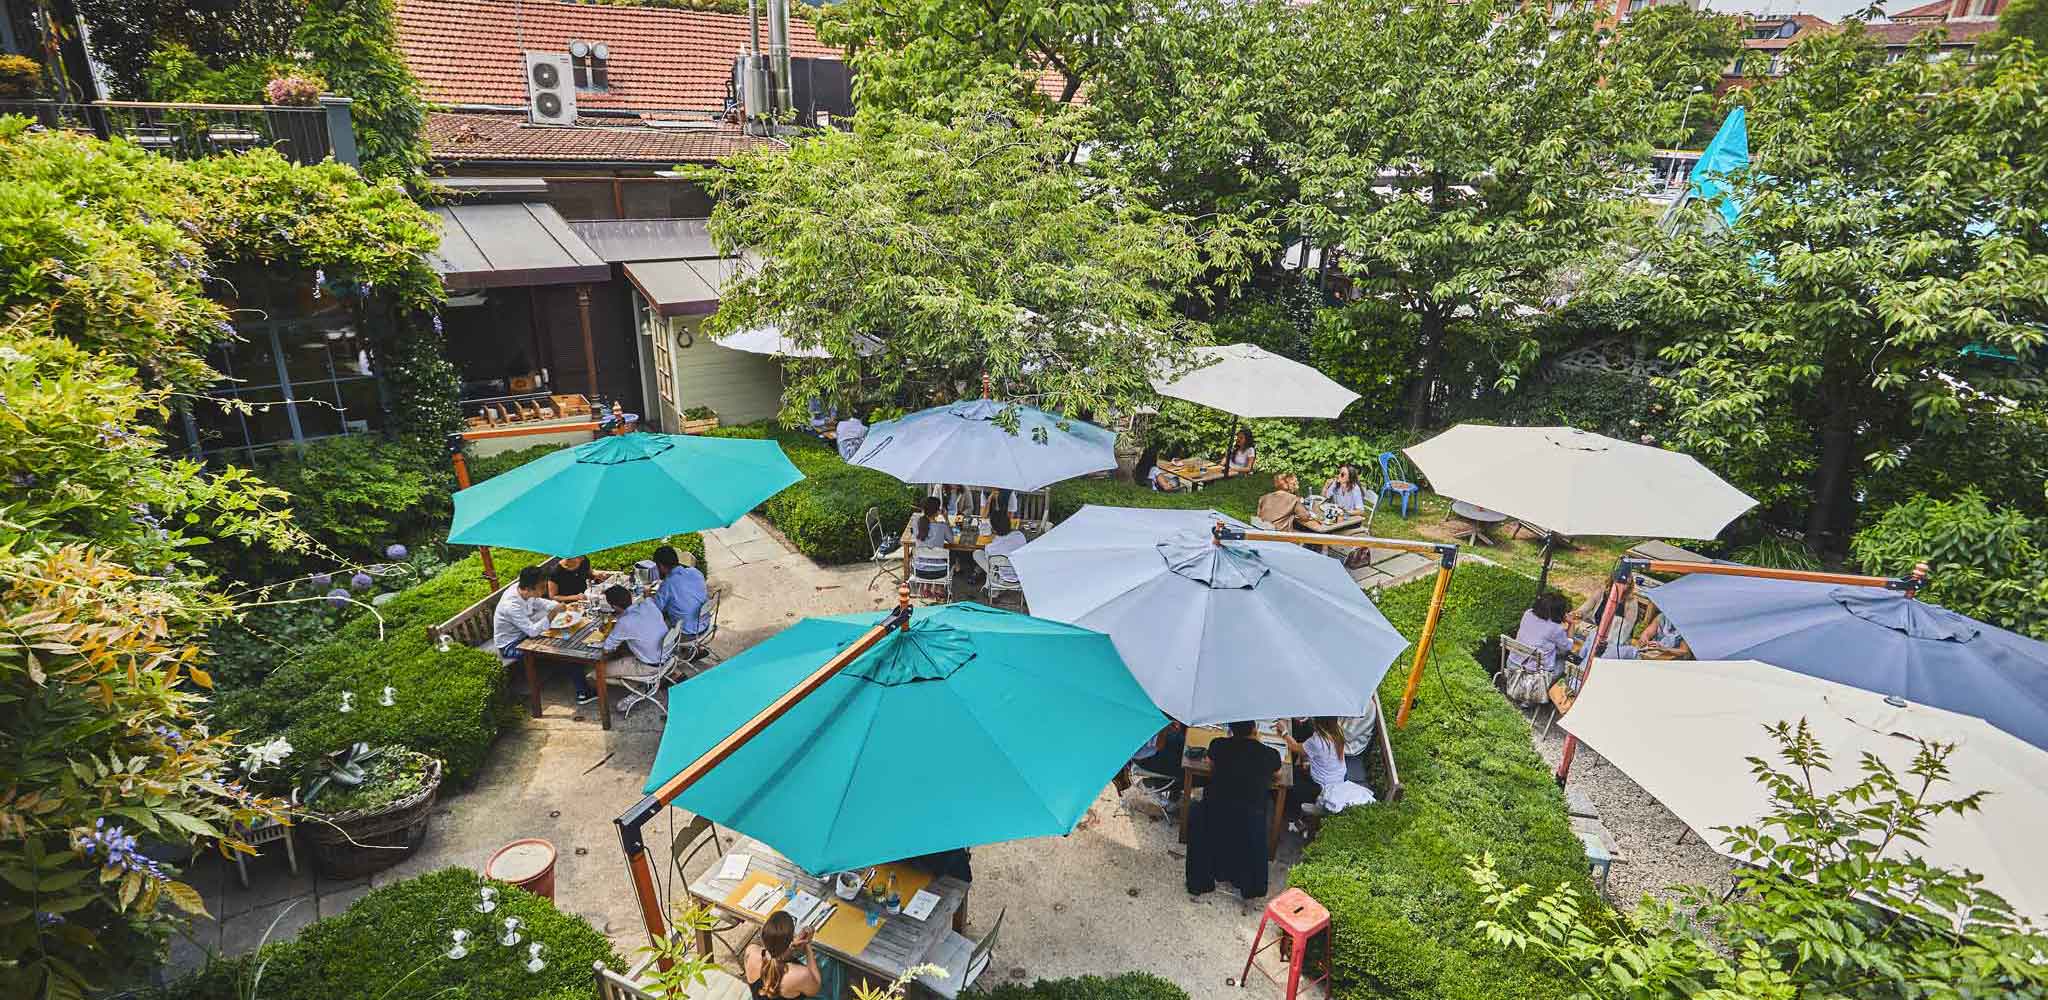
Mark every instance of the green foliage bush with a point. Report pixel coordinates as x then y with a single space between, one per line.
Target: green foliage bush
1609 403
1369 347
824 516
1129 986
354 44
392 943
1987 561
21 78
358 494
1393 875
1237 497
176 73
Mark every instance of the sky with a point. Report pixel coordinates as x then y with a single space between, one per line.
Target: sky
1833 10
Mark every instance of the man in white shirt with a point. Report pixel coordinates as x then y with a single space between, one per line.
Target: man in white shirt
523 614
633 650
850 435
1007 539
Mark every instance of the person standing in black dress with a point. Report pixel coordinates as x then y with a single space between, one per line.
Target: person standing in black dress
1227 829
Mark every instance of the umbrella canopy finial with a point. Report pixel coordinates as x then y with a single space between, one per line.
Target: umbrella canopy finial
903 606
1918 580
985 385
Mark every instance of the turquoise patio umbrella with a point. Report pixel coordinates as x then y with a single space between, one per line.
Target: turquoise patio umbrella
621 489
973 726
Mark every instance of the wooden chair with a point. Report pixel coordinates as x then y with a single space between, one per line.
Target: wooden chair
963 959
690 842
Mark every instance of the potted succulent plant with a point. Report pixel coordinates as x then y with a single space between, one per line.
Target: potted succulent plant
365 809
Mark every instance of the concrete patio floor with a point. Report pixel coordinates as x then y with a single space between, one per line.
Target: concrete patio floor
1105 899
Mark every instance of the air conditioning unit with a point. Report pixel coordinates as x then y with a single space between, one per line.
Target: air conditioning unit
550 89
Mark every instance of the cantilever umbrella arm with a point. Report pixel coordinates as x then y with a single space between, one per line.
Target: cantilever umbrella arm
629 823
1447 560
1626 569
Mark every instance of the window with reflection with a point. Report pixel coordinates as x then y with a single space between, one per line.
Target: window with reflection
301 368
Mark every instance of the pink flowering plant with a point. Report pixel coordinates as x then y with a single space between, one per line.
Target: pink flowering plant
292 91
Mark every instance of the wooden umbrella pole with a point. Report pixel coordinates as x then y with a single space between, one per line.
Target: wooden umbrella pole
462 483
1447 561
1911 585
629 824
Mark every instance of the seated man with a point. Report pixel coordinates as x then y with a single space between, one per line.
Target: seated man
1227 829
1004 539
633 650
1282 507
682 593
523 614
849 436
1161 755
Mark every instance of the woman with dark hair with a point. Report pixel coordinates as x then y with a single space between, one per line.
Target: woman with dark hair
1243 456
1324 752
770 973
1546 628
1148 473
928 531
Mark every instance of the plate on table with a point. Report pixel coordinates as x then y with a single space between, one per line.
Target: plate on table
566 620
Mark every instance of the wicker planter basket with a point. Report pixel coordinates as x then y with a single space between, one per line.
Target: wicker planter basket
361 841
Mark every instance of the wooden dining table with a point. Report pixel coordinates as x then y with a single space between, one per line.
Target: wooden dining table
1193 471
1192 768
972 543
886 949
580 646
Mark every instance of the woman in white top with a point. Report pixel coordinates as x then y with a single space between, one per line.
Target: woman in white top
929 532
1345 490
1244 455
1007 540
1324 751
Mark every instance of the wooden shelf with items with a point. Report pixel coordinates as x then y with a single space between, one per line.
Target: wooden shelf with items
524 409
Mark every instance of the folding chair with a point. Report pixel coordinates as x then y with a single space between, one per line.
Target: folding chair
697 649
995 584
884 551
646 683
690 841
926 585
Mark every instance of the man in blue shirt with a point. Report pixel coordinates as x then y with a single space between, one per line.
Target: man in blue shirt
682 594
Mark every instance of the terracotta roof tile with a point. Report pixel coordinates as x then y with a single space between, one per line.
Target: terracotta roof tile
469 51
1959 32
1937 10
454 137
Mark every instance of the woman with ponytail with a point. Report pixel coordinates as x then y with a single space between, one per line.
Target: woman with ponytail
770 973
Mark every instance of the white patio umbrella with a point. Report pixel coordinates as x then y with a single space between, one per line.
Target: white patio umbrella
1683 731
1214 633
1250 382
1573 482
771 338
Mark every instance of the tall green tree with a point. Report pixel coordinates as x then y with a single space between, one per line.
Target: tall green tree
354 45
221 32
904 51
1467 159
966 240
1680 53
1887 277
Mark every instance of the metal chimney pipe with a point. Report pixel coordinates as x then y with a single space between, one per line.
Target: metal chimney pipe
778 54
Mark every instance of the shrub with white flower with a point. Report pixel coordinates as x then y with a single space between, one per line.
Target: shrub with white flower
268 754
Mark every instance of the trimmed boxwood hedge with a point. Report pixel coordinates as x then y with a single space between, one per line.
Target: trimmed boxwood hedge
824 516
1129 986
1237 496
449 705
1393 875
393 943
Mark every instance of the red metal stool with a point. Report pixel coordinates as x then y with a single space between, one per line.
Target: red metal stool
1298 917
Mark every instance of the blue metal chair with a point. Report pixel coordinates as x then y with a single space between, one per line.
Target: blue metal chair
1391 470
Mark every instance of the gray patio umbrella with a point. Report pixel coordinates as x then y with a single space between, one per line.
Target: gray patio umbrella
1213 632
963 443
1869 638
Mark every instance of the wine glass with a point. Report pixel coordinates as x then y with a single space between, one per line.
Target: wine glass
487 899
461 946
533 962
511 937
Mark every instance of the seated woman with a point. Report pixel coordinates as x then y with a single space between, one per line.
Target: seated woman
771 973
928 531
1283 506
1325 752
1006 539
1546 628
1243 456
1660 640
570 579
1345 491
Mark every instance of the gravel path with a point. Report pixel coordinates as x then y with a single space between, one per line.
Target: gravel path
1653 858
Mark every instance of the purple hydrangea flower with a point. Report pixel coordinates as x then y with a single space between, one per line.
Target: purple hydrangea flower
113 847
338 597
319 580
437 324
394 551
360 581
48 919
